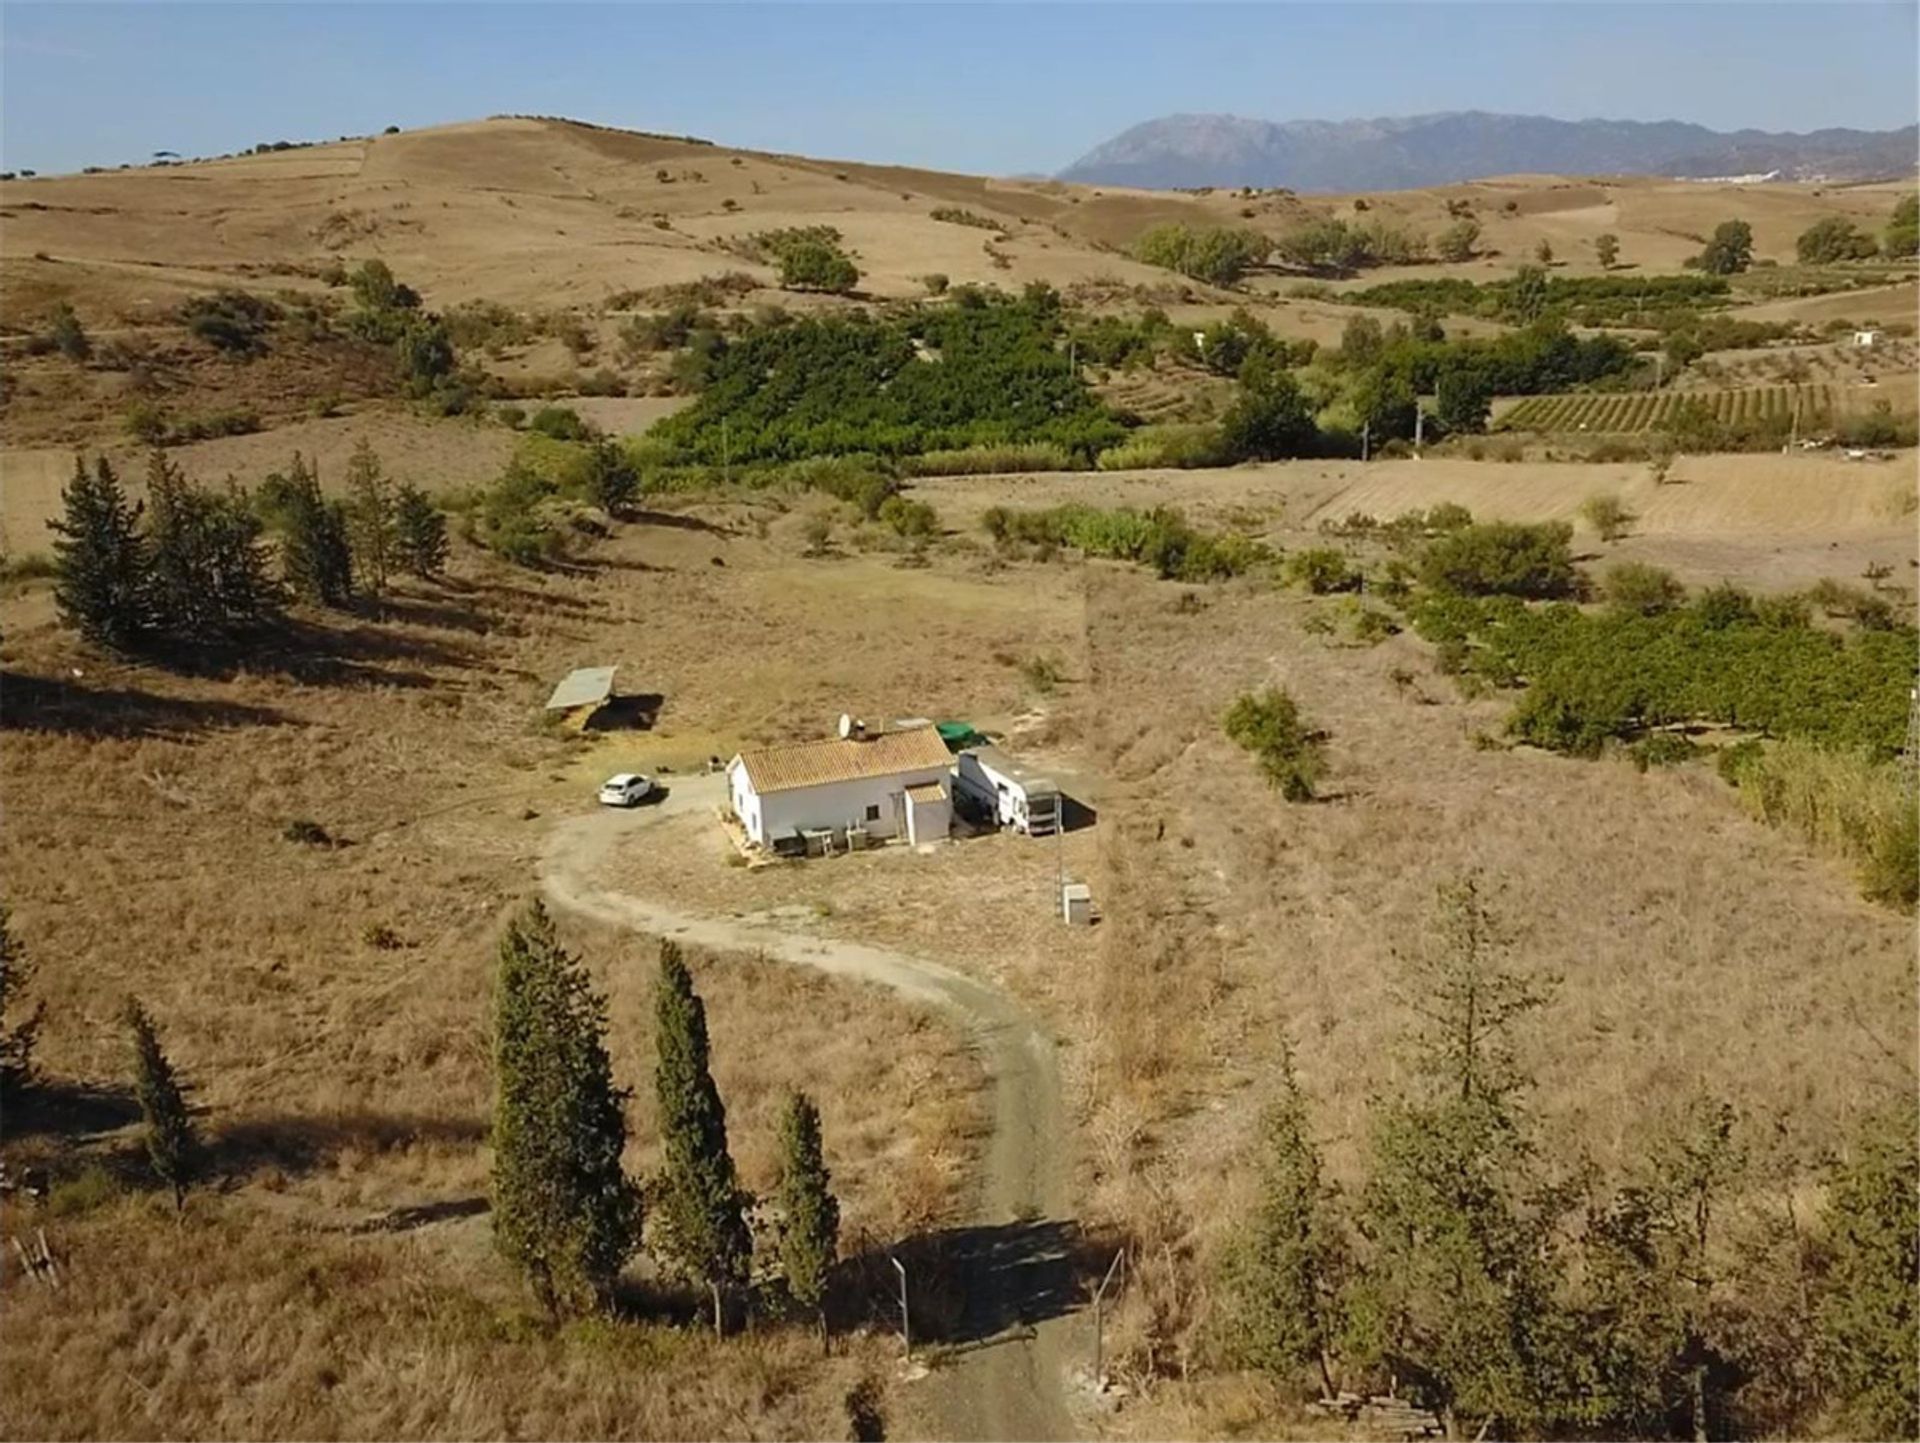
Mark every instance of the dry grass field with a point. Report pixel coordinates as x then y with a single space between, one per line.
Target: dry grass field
334 1275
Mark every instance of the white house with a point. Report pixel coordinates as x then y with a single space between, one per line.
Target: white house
889 783
1867 339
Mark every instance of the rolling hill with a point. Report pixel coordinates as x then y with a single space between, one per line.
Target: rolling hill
1423 150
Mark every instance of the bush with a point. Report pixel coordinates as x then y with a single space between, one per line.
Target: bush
67 336
1841 801
1169 445
1635 586
1832 239
233 321
307 832
1662 749
510 416
909 518
1502 558
1322 570
562 423
1606 515
990 460
1291 754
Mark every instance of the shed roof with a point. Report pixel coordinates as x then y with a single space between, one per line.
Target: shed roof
589 686
926 793
815 764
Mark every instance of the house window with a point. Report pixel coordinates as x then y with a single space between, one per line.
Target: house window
873 813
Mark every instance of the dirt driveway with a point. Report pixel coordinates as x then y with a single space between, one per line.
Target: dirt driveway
1010 1383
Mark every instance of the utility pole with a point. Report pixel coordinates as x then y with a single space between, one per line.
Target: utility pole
1419 427
1366 439
1099 1337
906 1323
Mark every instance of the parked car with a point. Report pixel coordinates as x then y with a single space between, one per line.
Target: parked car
626 789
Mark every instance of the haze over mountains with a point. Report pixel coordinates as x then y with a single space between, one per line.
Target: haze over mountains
1422 150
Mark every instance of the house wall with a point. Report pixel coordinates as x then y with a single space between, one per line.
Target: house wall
929 821
832 804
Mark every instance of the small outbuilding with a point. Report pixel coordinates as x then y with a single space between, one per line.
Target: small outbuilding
871 784
1867 339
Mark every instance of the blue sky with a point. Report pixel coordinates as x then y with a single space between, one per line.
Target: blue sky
994 89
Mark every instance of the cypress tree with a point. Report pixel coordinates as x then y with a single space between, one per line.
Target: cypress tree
564 1211
697 1200
1282 1273
163 1106
16 1033
809 1212
420 533
207 575
370 515
1869 1322
315 548
102 586
1455 1293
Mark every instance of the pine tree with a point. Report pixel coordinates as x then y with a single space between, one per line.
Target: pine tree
1869 1320
1281 1275
564 1211
698 1199
315 548
420 533
370 515
1455 1292
102 587
163 1106
16 1036
809 1213
207 574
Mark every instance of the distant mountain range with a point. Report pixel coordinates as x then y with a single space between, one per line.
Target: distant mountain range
1423 150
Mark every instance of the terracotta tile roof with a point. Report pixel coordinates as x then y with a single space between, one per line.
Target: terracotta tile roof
813 764
927 792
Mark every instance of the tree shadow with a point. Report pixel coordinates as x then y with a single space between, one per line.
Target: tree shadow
73 1110
406 1219
968 1285
296 1144
681 522
504 593
37 703
353 654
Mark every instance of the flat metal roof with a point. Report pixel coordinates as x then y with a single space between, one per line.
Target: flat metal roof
1011 767
589 686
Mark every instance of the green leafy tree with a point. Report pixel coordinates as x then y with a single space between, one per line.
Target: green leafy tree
608 478
1269 418
1455 1294
1902 236
1869 1322
1502 558
1217 255
809 1213
698 1202
316 549
1457 242
817 265
1526 297
372 530
1606 250
1833 238
1730 251
375 288
208 574
102 587
1463 399
69 337
1282 1273
564 1211
1383 402
420 533
171 1146
17 1032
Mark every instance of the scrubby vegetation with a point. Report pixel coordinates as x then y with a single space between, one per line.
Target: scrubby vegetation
1218 255
1532 294
810 258
1161 538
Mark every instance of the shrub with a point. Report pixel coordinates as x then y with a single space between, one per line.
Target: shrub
562 423
1833 238
1635 586
1662 749
909 518
510 416
991 460
1169 445
1371 627
1502 558
1321 569
935 283
1290 753
307 832
67 335
1841 801
233 321
1606 515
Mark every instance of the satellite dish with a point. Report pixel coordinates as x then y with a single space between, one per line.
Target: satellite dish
846 726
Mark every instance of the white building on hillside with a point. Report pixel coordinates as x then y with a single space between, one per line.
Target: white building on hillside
883 784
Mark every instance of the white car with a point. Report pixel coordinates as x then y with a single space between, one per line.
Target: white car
625 789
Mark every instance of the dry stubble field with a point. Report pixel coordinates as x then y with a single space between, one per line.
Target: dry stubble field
345 1085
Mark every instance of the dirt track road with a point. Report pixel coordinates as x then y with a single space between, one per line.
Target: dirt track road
1008 1386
